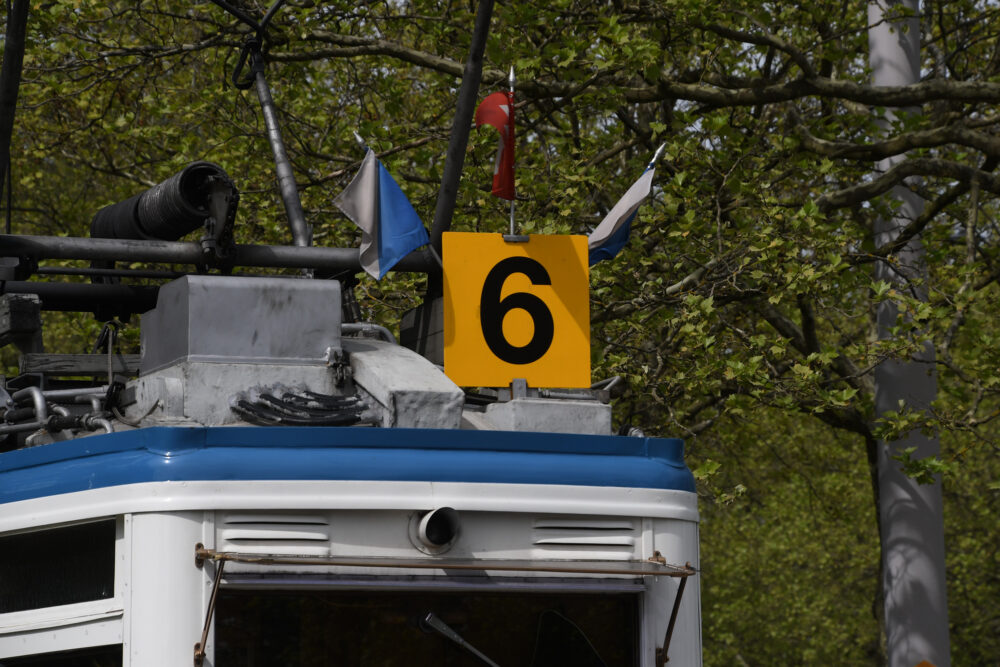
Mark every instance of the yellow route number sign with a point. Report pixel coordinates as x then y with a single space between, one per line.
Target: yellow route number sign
516 310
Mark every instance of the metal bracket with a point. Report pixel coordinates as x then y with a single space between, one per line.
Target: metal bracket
17 268
518 388
21 321
336 359
661 653
217 238
199 647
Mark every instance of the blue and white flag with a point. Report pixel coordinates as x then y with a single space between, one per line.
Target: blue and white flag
609 237
390 228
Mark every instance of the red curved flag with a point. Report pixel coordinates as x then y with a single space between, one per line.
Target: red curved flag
498 110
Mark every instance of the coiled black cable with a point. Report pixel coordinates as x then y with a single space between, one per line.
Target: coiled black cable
306 408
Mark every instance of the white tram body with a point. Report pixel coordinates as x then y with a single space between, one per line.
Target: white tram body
194 525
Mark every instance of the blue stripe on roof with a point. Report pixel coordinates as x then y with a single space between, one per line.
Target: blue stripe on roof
331 453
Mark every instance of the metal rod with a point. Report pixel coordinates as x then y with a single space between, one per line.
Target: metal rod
18 428
55 394
664 652
461 125
89 271
301 232
57 247
439 626
84 297
92 424
10 83
37 399
127 273
511 80
179 252
634 568
297 257
200 647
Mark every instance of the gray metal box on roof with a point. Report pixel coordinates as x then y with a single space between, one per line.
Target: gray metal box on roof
231 319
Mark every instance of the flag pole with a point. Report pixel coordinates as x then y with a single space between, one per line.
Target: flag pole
511 80
612 233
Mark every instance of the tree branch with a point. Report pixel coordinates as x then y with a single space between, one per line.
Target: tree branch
954 134
846 369
668 87
894 176
767 38
918 225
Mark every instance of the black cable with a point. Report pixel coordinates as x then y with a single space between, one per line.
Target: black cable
238 13
313 401
261 416
10 187
270 14
299 409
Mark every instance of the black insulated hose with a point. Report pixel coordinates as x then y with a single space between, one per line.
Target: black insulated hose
167 211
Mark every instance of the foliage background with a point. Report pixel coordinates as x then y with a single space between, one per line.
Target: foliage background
741 313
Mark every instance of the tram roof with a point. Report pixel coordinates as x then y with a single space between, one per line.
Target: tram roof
342 453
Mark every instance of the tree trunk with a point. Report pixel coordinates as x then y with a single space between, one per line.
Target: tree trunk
912 528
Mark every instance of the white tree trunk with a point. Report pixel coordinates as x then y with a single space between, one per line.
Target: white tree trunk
916 609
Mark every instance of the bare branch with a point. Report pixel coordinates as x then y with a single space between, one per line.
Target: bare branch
955 134
766 38
918 225
691 279
896 175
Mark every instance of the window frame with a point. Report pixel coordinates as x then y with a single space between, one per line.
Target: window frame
77 625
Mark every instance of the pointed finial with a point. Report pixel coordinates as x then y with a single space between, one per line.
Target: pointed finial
656 156
361 142
510 78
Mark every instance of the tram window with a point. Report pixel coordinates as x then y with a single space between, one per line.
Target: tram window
101 656
60 566
257 628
